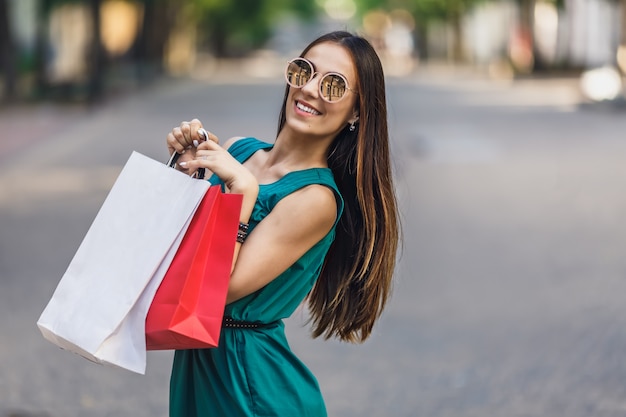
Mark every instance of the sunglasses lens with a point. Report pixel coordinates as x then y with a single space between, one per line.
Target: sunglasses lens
333 87
298 73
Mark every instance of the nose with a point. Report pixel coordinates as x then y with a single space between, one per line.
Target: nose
312 87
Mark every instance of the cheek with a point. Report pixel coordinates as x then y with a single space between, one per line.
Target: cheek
349 106
289 95
289 102
344 111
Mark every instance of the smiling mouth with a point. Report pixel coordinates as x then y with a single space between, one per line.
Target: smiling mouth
307 109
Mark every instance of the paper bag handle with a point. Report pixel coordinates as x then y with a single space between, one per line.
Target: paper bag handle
200 171
172 164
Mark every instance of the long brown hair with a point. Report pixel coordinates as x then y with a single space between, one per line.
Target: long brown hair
355 282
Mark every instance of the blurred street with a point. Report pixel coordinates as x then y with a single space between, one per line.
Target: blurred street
509 296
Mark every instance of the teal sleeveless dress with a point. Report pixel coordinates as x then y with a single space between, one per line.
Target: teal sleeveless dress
253 372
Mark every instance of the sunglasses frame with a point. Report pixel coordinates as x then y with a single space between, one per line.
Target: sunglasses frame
322 76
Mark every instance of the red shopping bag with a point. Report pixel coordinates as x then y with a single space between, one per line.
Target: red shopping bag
188 308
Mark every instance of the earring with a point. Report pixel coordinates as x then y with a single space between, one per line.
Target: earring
352 126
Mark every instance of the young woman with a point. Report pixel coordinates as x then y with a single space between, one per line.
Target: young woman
322 224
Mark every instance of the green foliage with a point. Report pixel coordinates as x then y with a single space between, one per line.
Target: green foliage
232 25
48 5
227 27
423 11
235 27
558 3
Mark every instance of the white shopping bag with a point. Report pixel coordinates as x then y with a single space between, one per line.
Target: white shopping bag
99 308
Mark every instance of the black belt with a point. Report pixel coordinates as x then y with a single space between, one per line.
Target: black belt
231 323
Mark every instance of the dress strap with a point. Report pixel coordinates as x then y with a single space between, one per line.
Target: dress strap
244 148
241 150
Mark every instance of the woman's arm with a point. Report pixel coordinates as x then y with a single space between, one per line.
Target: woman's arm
294 226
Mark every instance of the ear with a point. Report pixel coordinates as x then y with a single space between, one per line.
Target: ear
354 118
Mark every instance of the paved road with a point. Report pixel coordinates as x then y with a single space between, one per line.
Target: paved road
509 297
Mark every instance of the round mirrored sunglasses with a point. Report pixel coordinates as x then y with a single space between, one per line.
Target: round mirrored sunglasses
333 86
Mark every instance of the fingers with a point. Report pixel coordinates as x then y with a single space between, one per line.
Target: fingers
198 134
206 155
188 134
213 138
175 141
209 145
183 160
194 127
179 138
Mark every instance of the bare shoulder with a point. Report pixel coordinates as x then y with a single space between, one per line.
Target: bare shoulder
316 203
229 142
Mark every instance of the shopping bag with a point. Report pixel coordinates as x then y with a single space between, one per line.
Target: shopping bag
99 307
188 308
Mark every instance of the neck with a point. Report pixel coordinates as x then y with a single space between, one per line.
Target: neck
296 151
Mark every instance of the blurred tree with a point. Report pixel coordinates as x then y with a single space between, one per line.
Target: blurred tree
7 53
426 12
229 28
41 41
623 25
226 27
158 20
235 27
96 58
621 48
159 17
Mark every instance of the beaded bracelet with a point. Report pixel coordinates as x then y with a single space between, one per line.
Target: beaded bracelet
242 233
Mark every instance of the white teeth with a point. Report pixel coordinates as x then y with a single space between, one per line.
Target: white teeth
306 108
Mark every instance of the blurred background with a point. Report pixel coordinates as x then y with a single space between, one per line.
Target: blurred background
507 124
83 50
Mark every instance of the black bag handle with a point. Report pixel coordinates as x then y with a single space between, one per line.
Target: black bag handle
200 171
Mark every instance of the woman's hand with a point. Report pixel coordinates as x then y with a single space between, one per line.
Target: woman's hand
184 139
211 156
198 152
187 136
